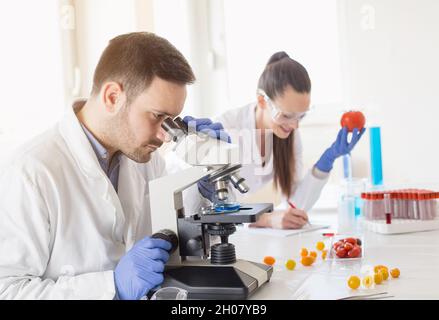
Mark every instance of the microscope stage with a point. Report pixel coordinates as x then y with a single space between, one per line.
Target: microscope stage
248 213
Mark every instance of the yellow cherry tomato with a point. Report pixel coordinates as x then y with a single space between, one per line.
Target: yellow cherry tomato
313 254
304 252
385 273
367 281
378 277
378 267
291 264
307 261
354 282
395 273
324 254
320 245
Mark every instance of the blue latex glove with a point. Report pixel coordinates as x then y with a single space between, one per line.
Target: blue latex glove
213 129
340 147
141 268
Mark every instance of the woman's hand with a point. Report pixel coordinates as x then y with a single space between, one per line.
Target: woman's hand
282 219
340 147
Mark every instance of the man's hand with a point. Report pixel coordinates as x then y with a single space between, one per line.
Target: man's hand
141 268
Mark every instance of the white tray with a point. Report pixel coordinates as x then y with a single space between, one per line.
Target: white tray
400 226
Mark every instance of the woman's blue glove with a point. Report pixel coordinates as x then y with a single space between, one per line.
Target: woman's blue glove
141 268
213 129
339 148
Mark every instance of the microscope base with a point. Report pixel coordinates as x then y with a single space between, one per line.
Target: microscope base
220 282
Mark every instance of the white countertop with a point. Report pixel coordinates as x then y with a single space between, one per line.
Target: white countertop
415 254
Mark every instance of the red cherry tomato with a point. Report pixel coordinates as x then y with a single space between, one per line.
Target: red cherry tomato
341 252
353 119
348 246
352 241
355 252
336 245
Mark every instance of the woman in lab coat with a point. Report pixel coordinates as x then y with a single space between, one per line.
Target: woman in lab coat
271 148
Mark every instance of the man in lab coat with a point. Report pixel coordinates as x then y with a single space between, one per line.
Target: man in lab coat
74 208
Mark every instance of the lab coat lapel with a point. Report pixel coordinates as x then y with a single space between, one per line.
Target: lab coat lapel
85 157
131 190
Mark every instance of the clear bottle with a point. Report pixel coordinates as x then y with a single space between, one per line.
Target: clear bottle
346 214
346 209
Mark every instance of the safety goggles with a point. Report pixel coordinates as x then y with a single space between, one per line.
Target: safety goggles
279 116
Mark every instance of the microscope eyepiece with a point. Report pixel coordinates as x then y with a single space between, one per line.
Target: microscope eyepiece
175 128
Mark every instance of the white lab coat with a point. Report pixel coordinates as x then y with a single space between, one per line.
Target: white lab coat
306 187
63 227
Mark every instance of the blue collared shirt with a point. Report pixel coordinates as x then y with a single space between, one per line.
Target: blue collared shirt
111 169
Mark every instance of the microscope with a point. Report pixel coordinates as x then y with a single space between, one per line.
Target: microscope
207 270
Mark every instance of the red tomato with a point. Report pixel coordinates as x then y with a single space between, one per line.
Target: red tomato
353 119
337 244
341 252
348 246
355 252
352 241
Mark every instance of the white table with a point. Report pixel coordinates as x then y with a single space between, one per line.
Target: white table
415 254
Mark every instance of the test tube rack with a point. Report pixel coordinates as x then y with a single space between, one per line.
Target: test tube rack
400 211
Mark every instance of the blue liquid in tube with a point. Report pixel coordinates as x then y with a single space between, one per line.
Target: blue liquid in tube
376 163
347 166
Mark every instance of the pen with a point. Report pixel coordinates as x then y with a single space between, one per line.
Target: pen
294 207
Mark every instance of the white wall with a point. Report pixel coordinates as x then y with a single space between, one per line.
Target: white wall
390 66
30 70
99 21
391 69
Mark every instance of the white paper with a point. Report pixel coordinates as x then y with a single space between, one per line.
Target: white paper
281 232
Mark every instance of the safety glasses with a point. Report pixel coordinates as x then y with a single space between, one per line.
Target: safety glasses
279 116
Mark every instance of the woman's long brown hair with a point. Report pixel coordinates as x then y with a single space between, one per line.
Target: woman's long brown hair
280 72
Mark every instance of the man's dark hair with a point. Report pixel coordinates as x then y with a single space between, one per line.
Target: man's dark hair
135 59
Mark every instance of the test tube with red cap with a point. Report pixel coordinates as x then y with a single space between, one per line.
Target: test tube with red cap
400 204
433 196
380 206
387 208
413 204
405 205
423 206
373 206
428 201
435 204
395 204
435 211
365 205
